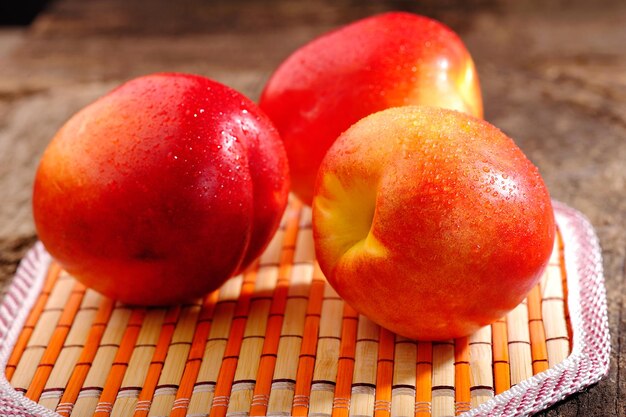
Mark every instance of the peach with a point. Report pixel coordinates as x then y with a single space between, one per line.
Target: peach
430 222
388 60
162 189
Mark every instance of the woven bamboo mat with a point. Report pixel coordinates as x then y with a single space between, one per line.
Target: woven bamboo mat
276 340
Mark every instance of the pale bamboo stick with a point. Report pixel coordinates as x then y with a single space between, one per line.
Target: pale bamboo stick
404 378
553 312
365 365
304 252
481 372
443 379
520 357
271 255
306 217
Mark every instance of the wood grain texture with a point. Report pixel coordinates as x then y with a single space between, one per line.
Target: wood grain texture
560 95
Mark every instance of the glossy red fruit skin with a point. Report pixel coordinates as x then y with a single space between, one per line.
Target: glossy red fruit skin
450 225
384 61
162 189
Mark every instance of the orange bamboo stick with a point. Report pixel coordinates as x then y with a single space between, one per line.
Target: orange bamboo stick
79 374
308 349
345 365
20 345
539 349
158 359
120 363
501 369
561 257
384 373
461 376
233 346
192 366
424 383
56 343
263 386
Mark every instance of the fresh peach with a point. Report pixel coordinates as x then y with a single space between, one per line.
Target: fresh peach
384 61
430 222
162 189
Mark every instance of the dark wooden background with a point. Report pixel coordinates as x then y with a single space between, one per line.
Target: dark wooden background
553 75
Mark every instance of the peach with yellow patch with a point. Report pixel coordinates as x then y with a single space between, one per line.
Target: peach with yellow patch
387 60
430 222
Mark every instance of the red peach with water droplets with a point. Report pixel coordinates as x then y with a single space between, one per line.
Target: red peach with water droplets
430 222
162 189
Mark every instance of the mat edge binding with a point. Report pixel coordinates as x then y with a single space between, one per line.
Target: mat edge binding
586 365
18 300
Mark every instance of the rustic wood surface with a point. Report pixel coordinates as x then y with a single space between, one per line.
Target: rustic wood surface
553 75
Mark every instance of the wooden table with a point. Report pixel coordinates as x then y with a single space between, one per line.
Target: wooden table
553 76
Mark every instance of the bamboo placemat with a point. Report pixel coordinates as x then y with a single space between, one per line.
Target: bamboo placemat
276 340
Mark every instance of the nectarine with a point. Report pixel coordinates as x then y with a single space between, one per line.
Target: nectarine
388 60
430 222
162 189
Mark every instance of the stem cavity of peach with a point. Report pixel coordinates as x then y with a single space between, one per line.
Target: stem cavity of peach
345 216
